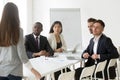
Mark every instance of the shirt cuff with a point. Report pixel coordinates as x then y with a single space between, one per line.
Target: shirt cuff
28 65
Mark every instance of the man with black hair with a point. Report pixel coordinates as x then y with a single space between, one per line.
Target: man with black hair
37 45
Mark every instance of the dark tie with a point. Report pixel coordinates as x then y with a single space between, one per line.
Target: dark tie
36 40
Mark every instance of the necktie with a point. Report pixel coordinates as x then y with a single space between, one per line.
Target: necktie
36 41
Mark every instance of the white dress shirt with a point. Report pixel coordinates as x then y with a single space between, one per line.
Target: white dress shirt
95 47
96 40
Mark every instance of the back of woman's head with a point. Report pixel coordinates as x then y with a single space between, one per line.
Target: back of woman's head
9 25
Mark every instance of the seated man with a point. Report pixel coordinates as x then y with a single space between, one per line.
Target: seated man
99 49
90 22
37 45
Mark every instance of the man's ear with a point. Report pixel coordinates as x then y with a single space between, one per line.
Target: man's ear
41 29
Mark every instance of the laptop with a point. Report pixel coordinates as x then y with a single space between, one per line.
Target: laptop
75 48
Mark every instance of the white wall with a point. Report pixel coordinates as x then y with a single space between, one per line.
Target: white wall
107 10
29 16
70 19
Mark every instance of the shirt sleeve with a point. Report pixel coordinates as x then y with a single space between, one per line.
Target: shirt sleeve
63 43
21 49
28 65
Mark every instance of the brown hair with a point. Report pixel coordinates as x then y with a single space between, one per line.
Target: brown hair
9 25
56 22
100 22
91 20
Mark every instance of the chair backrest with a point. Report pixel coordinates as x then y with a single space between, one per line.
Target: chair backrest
112 62
67 76
87 71
119 51
100 66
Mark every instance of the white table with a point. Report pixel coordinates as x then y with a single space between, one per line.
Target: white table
49 65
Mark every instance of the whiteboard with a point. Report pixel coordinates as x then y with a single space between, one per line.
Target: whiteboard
71 22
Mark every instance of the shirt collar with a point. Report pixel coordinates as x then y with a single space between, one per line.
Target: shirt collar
36 36
97 38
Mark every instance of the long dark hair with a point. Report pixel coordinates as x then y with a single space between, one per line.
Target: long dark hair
9 25
56 22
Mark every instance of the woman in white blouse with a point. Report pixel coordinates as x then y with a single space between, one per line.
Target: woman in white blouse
55 38
12 49
57 42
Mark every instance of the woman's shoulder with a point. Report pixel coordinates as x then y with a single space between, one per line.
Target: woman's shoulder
51 35
61 35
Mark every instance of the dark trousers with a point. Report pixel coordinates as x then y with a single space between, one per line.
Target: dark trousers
78 73
112 73
11 77
43 78
56 74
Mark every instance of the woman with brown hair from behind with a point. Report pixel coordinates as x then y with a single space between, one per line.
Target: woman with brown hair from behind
12 50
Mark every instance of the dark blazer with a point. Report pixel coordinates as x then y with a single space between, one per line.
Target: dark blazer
106 49
31 48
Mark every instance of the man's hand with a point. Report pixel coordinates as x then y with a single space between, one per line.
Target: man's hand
95 56
86 55
59 50
41 53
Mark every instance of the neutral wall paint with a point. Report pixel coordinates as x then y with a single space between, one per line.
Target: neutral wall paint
107 10
29 16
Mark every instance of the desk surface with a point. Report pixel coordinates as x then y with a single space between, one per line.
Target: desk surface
48 65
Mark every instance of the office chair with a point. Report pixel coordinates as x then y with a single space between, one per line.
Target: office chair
112 63
87 71
100 68
67 76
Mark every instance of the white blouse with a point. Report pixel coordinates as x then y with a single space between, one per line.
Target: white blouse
53 43
12 58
